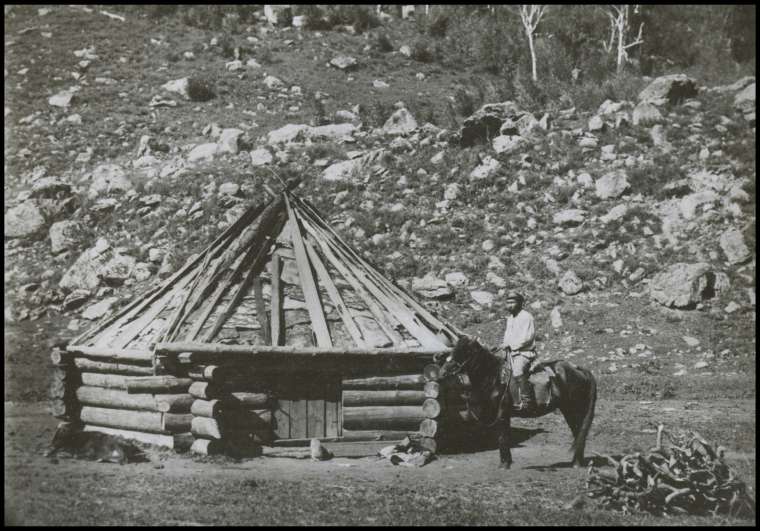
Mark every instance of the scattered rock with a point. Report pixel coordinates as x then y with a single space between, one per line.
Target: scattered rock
400 122
484 298
507 144
229 189
683 285
570 284
344 62
64 98
556 318
341 171
615 213
273 83
731 307
488 167
288 134
203 152
431 287
669 89
109 178
569 217
733 246
261 157
98 310
228 140
456 279
744 101
75 299
612 184
178 86
595 123
63 235
24 221
486 122
691 341
331 132
689 204
646 114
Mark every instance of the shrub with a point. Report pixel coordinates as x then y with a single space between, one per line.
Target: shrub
384 43
360 17
199 89
422 52
438 25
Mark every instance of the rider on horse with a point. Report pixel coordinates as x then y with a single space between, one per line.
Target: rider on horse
519 344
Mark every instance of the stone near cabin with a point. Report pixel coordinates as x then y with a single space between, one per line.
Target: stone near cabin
456 279
646 114
669 89
431 287
109 178
63 235
570 283
400 122
99 309
261 157
75 299
117 270
612 184
24 221
683 285
733 246
142 271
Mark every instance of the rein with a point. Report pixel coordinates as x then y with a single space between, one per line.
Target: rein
459 368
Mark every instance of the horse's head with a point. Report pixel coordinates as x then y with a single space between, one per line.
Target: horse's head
464 351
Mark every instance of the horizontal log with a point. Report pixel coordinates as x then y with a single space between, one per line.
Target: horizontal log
203 390
207 428
356 398
293 351
248 448
429 428
174 403
206 408
381 383
111 353
116 399
88 365
244 400
241 419
431 408
208 447
111 381
176 422
397 418
65 409
177 442
375 435
432 389
158 384
147 421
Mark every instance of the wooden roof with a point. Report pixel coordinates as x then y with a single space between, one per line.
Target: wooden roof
278 276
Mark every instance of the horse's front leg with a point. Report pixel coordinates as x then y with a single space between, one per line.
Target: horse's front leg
505 440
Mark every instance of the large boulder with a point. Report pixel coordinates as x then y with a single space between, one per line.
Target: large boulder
612 184
229 140
24 221
288 134
400 122
486 122
431 287
690 203
99 264
683 285
261 157
570 283
203 152
109 178
50 188
669 89
507 143
732 243
341 171
744 101
488 167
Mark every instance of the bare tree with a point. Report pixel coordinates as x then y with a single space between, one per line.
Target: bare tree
620 31
530 15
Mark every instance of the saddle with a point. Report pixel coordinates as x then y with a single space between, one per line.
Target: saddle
542 377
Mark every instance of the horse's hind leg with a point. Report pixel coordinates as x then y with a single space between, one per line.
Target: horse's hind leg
574 419
505 440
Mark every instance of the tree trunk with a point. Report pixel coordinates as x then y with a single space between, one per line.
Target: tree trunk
532 54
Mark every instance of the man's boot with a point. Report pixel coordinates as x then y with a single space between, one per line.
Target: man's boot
527 399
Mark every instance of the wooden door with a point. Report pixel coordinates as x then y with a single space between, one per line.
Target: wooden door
308 406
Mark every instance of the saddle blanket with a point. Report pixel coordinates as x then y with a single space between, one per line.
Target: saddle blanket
541 380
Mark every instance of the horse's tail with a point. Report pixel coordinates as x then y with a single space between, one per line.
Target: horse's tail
579 444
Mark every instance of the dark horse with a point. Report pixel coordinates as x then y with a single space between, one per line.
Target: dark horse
492 402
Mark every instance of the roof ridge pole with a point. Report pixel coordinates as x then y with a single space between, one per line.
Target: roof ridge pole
309 287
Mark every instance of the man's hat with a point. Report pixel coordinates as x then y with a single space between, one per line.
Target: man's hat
513 295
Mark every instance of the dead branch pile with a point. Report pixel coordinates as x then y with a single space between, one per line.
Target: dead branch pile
688 476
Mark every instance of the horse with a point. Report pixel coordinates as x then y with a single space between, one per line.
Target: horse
572 391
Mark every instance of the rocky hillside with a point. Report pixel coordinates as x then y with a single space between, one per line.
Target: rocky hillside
130 145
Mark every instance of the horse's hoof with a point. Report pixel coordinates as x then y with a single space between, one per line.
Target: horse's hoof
577 464
505 466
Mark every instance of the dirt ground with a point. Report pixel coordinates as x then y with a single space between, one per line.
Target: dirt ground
466 488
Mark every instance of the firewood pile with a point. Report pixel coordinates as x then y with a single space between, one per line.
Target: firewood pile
686 476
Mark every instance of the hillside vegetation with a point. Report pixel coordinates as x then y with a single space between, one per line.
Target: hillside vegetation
625 211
